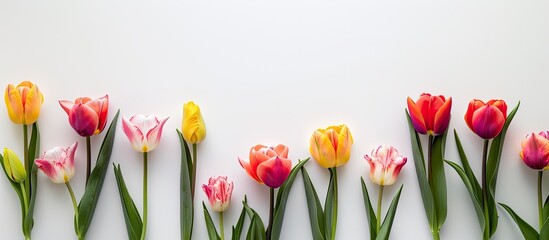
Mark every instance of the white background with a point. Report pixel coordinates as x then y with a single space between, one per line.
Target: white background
272 72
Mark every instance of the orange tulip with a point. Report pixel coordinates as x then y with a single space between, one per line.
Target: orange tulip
23 102
430 114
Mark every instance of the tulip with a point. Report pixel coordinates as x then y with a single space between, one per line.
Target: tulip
535 151
87 117
13 166
194 129
219 191
331 147
430 114
486 119
144 132
268 165
58 163
23 102
385 165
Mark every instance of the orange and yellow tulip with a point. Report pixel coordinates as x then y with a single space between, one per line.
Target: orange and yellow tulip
331 146
23 102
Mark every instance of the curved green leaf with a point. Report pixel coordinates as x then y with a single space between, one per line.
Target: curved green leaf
467 169
387 224
186 204
88 202
438 187
134 224
210 226
316 214
372 220
282 199
544 233
527 231
256 230
237 230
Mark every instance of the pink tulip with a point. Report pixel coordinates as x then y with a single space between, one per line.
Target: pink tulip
58 163
486 119
535 150
385 165
144 132
268 165
87 117
219 191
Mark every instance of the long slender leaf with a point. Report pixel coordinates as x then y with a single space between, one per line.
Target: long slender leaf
256 231
372 220
316 214
387 224
282 199
88 203
438 187
475 199
546 209
134 224
210 226
186 205
237 229
467 168
544 233
419 163
527 231
29 218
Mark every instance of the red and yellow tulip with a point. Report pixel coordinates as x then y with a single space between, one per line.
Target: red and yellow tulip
486 119
430 114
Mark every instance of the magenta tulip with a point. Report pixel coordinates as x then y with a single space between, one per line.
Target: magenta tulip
535 150
486 119
268 165
86 116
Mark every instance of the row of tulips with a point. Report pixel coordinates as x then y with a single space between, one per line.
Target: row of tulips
270 165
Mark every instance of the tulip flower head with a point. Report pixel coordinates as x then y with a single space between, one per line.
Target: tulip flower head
486 119
219 191
144 132
58 163
385 165
194 129
268 165
23 102
13 166
535 150
430 114
331 147
87 117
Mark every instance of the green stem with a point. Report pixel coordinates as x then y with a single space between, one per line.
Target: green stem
221 226
271 215
25 198
193 174
27 161
334 216
485 192
88 163
74 205
144 230
540 196
436 236
429 161
379 198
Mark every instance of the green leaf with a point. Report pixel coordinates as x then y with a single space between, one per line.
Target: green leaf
316 214
387 224
282 199
546 209
210 226
527 231
134 224
544 233
419 163
492 168
372 220
88 203
186 204
256 231
467 169
237 230
474 198
438 187
29 219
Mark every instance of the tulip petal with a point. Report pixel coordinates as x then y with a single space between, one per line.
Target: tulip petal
100 106
154 135
442 117
488 121
344 143
471 108
249 170
274 171
281 150
83 119
14 104
322 150
33 103
134 134
417 118
66 105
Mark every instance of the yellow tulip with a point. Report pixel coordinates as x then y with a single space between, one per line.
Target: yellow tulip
331 147
194 129
13 166
23 102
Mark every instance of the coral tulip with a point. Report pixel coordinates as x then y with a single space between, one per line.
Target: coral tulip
194 129
268 165
86 116
219 191
430 114
23 102
58 163
535 151
144 132
486 119
385 165
331 147
13 166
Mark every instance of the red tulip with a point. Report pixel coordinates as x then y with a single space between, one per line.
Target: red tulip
269 165
87 117
486 119
430 114
535 150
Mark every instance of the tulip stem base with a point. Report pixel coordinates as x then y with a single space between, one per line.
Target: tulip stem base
436 236
379 200
88 162
193 174
221 229
144 230
271 213
540 201
334 216
485 192
25 198
75 206
27 161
